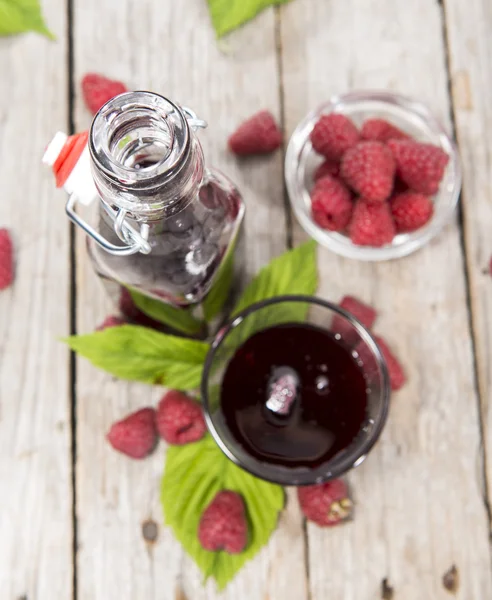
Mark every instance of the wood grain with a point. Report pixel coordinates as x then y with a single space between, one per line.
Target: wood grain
35 461
170 48
420 495
418 499
470 55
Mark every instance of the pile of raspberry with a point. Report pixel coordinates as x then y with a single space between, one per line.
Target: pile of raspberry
373 183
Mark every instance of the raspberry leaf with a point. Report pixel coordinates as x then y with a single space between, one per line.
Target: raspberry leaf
18 16
142 354
193 475
228 14
178 318
293 272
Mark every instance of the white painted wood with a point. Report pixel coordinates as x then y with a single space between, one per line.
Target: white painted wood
35 463
170 48
470 55
418 496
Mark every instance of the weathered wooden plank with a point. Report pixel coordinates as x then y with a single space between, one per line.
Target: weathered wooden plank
418 496
470 55
35 459
170 48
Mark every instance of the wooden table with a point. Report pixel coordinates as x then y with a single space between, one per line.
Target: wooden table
71 509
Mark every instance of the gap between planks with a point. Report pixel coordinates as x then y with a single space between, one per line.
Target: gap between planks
72 307
281 101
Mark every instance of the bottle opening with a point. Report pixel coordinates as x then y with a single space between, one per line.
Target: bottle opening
137 136
139 139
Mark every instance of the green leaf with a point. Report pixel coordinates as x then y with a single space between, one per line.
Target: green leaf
215 299
17 16
293 272
141 354
193 475
229 14
180 319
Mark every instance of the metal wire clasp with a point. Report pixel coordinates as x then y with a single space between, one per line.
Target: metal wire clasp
135 241
193 121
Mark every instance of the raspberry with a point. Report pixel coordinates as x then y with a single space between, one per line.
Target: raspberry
333 135
369 168
134 315
180 419
328 167
411 210
371 224
380 130
331 204
223 524
97 90
421 166
126 304
111 321
326 504
257 135
135 435
395 370
6 259
363 312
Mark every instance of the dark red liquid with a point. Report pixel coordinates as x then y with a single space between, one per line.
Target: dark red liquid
188 247
329 409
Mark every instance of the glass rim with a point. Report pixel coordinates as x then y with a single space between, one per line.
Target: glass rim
138 100
346 462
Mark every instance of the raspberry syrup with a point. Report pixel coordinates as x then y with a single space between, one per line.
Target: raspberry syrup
293 395
188 249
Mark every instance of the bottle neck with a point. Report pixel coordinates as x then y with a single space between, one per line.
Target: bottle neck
145 159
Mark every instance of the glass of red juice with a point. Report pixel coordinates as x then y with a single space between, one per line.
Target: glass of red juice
295 390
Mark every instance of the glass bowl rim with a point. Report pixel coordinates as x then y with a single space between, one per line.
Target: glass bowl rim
347 462
328 239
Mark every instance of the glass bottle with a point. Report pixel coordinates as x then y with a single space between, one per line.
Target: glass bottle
165 225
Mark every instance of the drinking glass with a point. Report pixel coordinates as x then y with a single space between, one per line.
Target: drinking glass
304 310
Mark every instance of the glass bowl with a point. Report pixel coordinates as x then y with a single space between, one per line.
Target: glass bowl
310 311
411 117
